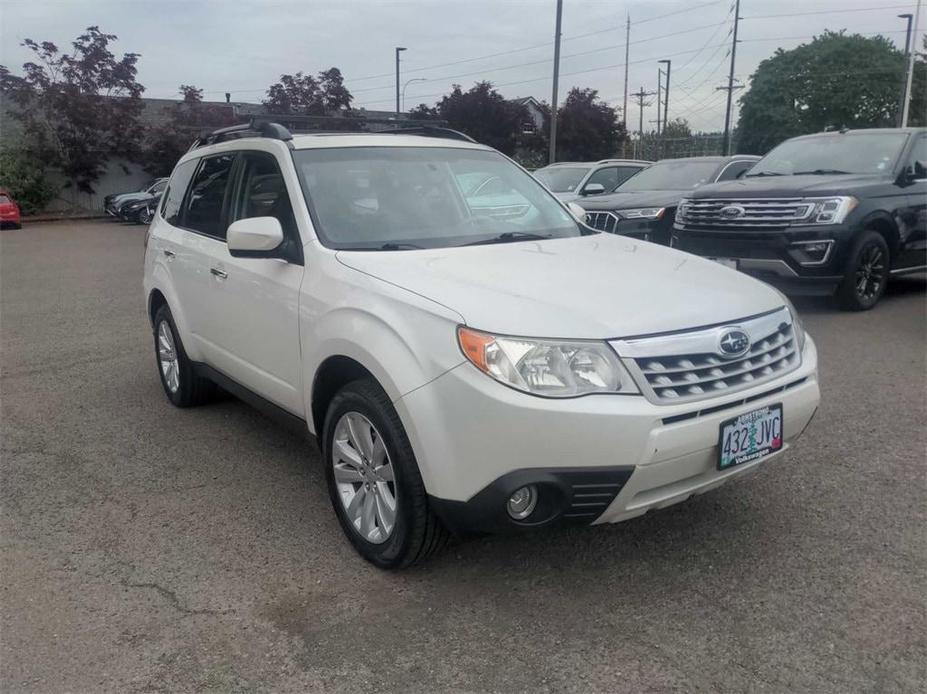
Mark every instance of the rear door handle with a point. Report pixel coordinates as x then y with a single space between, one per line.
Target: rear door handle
221 274
169 254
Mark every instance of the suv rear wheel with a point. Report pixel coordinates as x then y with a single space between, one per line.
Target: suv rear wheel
867 273
374 481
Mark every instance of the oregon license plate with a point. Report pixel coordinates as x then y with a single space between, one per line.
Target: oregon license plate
750 436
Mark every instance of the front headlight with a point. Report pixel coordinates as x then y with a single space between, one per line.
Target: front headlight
830 210
551 368
642 213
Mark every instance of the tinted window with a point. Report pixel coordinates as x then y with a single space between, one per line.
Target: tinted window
607 178
734 169
679 174
865 153
207 196
263 193
180 179
365 197
561 179
919 152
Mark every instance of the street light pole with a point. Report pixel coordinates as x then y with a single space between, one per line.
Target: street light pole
408 82
904 72
907 86
398 50
552 157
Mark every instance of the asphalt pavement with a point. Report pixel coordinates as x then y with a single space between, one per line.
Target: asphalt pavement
146 548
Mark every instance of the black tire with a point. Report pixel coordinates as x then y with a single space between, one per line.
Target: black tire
417 533
145 216
191 389
866 273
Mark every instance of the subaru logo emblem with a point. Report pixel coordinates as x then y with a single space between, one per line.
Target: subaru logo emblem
732 211
733 343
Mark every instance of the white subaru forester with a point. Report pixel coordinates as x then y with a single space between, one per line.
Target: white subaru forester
470 356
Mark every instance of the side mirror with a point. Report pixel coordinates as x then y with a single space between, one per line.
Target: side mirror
919 169
256 237
578 212
593 189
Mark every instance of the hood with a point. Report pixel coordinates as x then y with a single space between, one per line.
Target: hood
788 186
596 286
625 201
568 197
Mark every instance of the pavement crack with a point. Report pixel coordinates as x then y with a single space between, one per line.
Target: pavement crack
172 598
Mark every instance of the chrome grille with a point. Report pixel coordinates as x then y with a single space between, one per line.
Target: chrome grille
690 365
762 213
603 221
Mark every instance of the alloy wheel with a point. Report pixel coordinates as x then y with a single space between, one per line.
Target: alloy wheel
167 357
364 477
870 273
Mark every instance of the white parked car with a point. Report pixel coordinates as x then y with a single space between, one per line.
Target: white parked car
464 369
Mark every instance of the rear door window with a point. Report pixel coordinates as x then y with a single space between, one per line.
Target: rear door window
206 200
173 198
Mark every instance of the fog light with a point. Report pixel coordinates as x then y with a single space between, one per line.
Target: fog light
522 502
812 252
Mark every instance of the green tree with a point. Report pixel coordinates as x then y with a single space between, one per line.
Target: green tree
837 80
180 124
587 128
25 180
484 114
77 109
323 95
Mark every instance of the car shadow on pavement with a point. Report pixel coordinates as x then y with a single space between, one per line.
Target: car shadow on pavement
897 288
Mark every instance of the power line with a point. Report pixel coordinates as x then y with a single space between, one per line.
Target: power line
849 9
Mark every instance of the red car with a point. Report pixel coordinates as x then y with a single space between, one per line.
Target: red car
9 211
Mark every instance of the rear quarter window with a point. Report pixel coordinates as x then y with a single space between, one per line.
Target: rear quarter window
176 188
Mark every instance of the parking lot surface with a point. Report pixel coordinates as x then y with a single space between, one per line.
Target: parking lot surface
146 548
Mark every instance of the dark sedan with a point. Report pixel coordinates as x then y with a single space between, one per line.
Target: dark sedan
645 204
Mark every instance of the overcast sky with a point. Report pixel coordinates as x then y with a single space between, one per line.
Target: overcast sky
242 47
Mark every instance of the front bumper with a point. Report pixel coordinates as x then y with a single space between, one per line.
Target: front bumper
774 257
477 441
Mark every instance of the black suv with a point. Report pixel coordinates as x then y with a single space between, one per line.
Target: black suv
644 205
831 213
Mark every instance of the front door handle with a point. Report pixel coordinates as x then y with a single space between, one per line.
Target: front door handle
169 254
221 274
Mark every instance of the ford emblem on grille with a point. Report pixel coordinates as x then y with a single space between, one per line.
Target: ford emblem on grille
733 343
732 211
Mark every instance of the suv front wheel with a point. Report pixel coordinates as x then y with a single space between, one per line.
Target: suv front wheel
866 274
373 479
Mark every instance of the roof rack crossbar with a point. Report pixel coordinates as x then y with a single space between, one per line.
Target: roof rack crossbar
429 131
256 127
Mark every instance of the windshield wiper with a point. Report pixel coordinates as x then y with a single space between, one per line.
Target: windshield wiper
398 246
763 173
820 172
509 236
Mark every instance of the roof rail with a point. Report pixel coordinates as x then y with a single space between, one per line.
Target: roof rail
254 128
429 131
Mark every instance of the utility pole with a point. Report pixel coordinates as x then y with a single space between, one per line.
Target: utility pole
627 55
640 96
730 83
904 72
552 157
907 87
398 50
659 96
669 65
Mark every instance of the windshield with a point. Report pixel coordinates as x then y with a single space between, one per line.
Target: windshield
869 153
397 198
671 175
562 179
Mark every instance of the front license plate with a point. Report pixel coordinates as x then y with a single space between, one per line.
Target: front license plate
726 262
750 436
